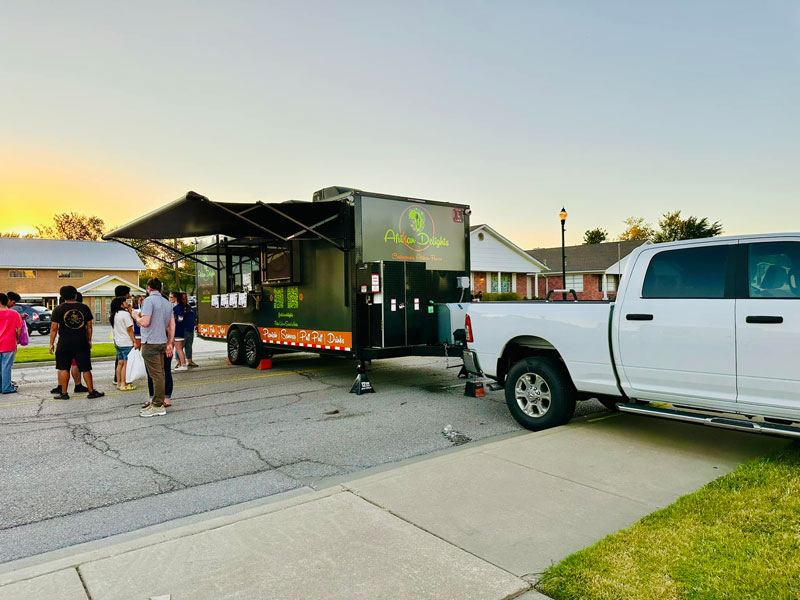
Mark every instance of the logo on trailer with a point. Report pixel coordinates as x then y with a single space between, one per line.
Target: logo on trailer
416 230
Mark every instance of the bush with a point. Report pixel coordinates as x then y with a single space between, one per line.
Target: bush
502 297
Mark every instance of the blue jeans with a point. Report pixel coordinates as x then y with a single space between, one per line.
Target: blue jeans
188 340
6 362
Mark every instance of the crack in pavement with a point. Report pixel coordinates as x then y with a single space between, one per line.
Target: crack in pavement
83 434
227 437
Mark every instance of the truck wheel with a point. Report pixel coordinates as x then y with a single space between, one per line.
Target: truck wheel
252 349
235 347
539 393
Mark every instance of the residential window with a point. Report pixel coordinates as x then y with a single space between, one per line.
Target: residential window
574 282
505 282
773 269
611 283
70 274
22 273
689 273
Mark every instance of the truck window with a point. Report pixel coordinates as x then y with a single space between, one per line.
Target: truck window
773 269
688 273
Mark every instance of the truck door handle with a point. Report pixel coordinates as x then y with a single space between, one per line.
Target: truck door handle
763 319
638 317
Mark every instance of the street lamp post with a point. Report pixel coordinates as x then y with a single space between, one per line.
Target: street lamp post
563 216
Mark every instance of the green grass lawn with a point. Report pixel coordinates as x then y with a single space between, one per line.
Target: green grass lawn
30 354
737 538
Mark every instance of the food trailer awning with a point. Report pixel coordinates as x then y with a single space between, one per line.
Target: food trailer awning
195 216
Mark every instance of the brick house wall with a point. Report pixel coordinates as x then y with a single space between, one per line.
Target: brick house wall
479 282
48 282
591 286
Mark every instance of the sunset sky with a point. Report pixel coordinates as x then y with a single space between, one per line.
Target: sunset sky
612 109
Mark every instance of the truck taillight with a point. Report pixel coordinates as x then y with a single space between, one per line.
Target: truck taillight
468 325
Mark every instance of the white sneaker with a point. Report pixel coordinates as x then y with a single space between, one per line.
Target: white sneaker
181 368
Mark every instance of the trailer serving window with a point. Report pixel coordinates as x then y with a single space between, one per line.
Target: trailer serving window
243 268
280 262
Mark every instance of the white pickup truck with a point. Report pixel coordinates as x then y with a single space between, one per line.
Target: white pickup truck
708 326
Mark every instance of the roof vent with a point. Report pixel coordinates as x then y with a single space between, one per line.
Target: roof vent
331 193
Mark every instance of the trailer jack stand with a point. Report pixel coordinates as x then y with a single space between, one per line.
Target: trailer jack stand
474 389
362 384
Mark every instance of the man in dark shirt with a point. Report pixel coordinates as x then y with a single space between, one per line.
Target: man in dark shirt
72 323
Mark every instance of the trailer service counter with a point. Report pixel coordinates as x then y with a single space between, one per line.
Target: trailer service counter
351 273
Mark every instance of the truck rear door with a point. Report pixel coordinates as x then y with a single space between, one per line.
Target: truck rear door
768 324
676 332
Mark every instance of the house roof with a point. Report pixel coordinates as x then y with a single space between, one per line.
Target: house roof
586 257
34 253
535 264
101 283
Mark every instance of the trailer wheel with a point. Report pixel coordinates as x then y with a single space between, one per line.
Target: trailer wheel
539 393
252 349
235 347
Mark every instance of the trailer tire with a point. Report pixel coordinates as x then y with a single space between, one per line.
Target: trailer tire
252 349
235 347
539 393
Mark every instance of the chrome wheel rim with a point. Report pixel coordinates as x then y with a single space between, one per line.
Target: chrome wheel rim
251 350
233 349
533 395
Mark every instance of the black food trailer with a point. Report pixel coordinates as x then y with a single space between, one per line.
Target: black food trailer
350 273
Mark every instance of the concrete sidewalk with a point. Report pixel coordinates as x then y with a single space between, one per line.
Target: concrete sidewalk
481 522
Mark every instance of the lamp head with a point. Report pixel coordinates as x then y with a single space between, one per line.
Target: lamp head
563 214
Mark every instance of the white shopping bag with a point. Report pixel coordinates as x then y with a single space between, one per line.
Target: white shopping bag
135 368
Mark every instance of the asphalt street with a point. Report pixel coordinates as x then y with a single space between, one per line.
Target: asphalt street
79 470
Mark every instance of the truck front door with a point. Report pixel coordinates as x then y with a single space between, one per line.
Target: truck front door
768 325
677 332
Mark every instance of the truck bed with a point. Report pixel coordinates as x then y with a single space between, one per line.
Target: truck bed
577 331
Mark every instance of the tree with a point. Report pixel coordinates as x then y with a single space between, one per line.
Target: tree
637 229
72 226
174 275
595 236
14 234
673 228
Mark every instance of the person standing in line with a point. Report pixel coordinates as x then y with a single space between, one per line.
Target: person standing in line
76 374
13 298
72 323
137 331
121 291
122 322
179 312
189 323
10 333
158 336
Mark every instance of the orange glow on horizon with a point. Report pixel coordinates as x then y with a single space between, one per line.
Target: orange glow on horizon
34 187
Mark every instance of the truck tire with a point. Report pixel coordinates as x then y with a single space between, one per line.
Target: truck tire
539 393
252 349
235 347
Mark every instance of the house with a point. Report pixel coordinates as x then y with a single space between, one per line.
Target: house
499 265
592 270
37 269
